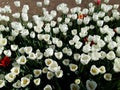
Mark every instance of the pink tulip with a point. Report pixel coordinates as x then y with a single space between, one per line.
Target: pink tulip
98 2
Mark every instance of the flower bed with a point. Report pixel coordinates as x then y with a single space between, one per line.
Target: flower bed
79 49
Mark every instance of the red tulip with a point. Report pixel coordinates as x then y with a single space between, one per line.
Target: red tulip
85 39
114 30
92 43
5 61
81 16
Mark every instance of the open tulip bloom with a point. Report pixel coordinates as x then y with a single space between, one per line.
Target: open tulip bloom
61 49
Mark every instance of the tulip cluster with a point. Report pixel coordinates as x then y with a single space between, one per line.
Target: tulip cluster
62 49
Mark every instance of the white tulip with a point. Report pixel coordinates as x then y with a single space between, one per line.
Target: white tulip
63 27
21 50
79 21
37 81
45 70
25 8
64 50
16 26
17 84
101 43
32 56
1 51
50 75
103 54
91 10
106 1
85 59
10 77
95 17
14 47
76 38
17 3
74 86
46 2
96 38
47 28
15 70
101 14
8 53
116 66
78 1
111 45
78 45
39 4
74 17
59 19
66 62
118 51
11 38
53 23
118 30
1 35
40 36
54 67
56 30
28 49
21 60
116 6
95 48
83 34
91 85
69 52
94 70
86 48
74 32
59 74
110 55
3 41
37 72
53 13
47 87
71 42
48 61
38 29
39 55
76 56
100 23
67 20
95 56
90 4
24 17
29 25
86 20
102 69
58 55
77 81
106 18
32 34
73 67
24 81
24 33
85 11
107 38
118 39
2 83
48 52
59 43
108 76
2 27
